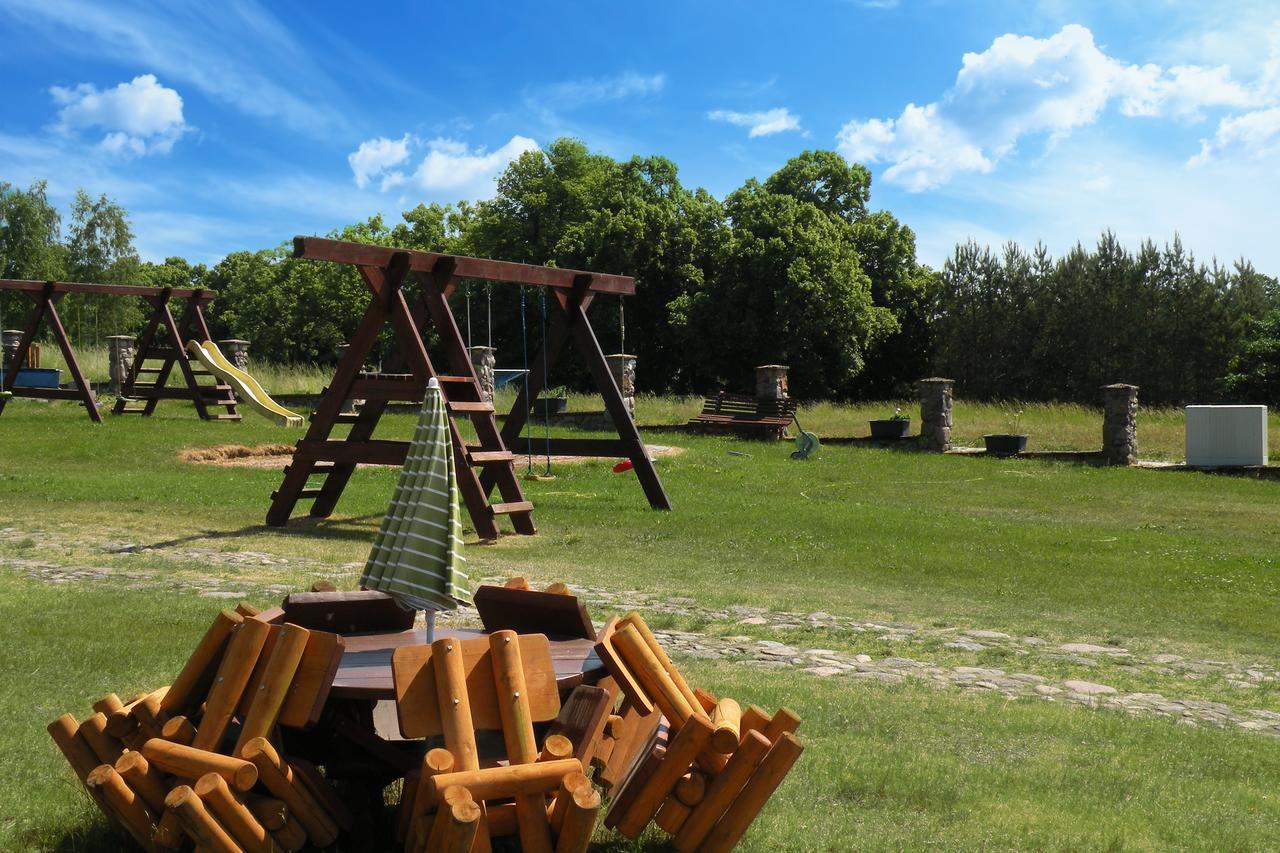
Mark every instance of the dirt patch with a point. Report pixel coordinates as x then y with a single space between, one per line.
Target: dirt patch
238 455
273 455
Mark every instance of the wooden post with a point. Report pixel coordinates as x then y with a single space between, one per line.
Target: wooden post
569 785
238 820
187 762
727 719
126 805
681 752
435 762
204 829
277 777
493 782
461 825
733 825
184 692
722 792
94 732
653 678
579 821
269 692
517 731
136 770
228 685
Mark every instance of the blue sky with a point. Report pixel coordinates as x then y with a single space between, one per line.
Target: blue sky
235 125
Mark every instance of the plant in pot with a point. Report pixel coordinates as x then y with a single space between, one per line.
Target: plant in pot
891 428
553 403
1009 443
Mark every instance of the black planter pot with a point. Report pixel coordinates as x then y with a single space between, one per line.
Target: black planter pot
544 406
890 429
1005 445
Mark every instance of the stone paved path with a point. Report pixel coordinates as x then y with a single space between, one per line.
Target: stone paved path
747 650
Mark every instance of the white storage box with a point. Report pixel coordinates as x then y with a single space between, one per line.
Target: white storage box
1226 436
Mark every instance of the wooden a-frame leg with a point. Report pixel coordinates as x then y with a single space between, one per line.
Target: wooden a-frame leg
587 345
325 417
43 303
73 366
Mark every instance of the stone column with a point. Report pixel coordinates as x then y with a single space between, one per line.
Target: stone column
236 351
483 361
1120 424
120 354
10 338
771 382
935 414
623 368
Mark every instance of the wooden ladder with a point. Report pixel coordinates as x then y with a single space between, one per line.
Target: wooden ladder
163 340
332 461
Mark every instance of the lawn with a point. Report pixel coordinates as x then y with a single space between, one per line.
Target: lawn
1152 562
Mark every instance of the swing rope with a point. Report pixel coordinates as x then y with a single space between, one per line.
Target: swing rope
466 289
524 345
546 409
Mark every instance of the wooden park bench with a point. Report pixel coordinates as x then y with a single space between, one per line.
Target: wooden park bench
739 413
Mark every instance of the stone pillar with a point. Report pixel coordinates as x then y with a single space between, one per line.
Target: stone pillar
771 382
935 414
120 354
483 361
623 368
10 338
1120 424
236 351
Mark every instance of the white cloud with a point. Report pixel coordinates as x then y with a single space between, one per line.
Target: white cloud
446 165
593 90
762 123
376 157
140 117
1255 134
1023 87
451 165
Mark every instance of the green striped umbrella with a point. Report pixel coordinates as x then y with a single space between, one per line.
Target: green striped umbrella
417 556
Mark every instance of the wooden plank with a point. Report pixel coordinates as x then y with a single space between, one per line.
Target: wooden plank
582 720
347 612
312 680
416 700
529 612
363 452
341 251
618 669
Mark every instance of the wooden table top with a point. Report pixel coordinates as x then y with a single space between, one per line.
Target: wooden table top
365 669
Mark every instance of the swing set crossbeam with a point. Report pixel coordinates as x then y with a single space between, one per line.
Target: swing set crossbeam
484 466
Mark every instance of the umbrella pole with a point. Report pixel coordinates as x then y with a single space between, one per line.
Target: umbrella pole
431 626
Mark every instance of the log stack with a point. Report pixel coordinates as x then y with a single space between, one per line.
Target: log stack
190 764
204 762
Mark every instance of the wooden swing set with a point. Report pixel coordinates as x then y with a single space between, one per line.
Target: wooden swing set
481 467
163 340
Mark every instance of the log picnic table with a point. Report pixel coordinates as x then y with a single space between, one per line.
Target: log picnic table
365 669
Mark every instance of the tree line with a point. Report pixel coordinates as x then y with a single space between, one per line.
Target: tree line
795 269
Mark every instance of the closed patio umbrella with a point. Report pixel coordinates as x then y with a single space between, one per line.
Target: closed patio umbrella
417 555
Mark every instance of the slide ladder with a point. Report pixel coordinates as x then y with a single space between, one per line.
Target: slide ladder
246 387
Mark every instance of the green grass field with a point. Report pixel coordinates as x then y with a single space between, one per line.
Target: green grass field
1156 563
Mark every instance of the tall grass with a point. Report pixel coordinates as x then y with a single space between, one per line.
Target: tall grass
1051 426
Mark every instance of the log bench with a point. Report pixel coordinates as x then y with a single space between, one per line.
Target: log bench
751 416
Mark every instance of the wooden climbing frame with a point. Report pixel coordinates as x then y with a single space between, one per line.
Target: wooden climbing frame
46 295
164 340
483 466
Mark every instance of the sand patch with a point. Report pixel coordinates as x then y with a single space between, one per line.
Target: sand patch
274 455
238 455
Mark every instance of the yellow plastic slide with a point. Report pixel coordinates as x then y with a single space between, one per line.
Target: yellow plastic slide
246 387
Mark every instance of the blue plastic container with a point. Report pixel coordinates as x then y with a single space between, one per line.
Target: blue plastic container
36 377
